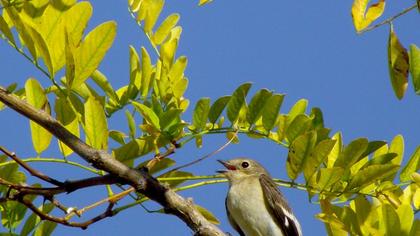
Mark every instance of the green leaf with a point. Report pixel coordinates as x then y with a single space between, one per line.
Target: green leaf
237 101
101 80
148 114
397 147
335 152
146 72
398 64
45 228
170 118
176 72
299 151
328 176
380 159
95 124
68 118
92 50
373 146
406 217
371 174
35 96
131 124
414 67
317 118
256 105
217 108
201 112
5 29
42 48
117 136
390 220
317 157
175 182
413 165
298 108
207 214
352 153
299 126
165 28
271 111
159 166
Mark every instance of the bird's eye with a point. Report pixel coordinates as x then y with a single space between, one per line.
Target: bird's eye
245 164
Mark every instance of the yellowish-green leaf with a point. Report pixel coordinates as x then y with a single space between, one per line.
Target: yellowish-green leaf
317 157
35 96
201 112
412 166
179 87
299 151
298 108
154 7
5 29
352 153
131 124
92 50
397 64
177 70
328 176
203 2
256 105
42 48
217 108
415 67
207 214
371 174
397 147
335 152
237 101
406 217
117 136
101 80
68 118
271 111
363 16
297 127
148 114
146 70
391 222
175 174
165 28
70 50
77 18
168 51
95 124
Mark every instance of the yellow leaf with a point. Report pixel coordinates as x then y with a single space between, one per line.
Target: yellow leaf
363 16
42 48
96 127
398 65
146 70
35 96
92 50
203 2
165 28
5 29
154 7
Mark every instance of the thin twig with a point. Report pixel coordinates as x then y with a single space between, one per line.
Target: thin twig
206 156
389 20
32 171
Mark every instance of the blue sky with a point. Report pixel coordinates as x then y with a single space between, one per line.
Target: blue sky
303 49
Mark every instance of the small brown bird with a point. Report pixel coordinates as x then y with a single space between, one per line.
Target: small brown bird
254 204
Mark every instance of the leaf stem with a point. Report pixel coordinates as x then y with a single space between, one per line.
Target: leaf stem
389 20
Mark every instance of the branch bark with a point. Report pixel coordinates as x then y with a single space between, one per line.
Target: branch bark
140 180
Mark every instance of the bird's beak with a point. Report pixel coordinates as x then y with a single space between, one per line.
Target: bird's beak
227 165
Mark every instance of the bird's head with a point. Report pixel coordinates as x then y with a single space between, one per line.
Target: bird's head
239 168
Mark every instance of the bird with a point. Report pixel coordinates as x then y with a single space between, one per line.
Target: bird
254 204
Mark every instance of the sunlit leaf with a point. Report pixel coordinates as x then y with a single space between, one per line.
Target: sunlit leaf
299 151
176 175
146 71
68 118
5 29
165 28
117 136
371 174
352 153
406 216
237 101
154 7
390 220
131 124
35 96
217 108
415 67
201 112
412 166
148 114
398 64
317 157
256 105
207 214
271 111
363 16
299 126
95 124
101 80
92 50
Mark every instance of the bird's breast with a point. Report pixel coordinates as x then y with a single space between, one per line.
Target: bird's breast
246 205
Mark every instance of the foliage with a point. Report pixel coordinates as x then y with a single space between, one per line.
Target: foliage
361 186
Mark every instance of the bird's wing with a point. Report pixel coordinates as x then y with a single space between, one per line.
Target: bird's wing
278 207
232 221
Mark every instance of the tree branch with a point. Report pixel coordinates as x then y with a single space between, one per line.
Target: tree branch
140 180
